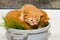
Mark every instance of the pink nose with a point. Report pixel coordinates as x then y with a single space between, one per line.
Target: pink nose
35 23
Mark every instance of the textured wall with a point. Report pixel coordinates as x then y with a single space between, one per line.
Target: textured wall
19 3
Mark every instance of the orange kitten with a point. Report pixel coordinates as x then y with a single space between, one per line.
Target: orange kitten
31 14
44 17
15 14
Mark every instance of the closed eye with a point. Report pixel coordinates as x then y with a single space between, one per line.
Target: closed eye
25 15
37 19
41 16
31 20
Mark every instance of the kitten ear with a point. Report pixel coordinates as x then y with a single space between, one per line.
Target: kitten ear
21 16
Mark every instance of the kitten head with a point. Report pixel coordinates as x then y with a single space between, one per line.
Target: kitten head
31 14
32 18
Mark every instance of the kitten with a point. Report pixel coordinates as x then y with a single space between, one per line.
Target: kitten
33 16
17 16
44 17
29 15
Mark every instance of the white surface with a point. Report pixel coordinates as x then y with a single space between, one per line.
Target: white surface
2 33
55 24
54 37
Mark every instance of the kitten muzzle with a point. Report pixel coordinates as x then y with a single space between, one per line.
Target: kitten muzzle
33 26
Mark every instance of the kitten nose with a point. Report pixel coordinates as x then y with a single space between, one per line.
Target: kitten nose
35 23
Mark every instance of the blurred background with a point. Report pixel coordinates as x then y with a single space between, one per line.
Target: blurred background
37 3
